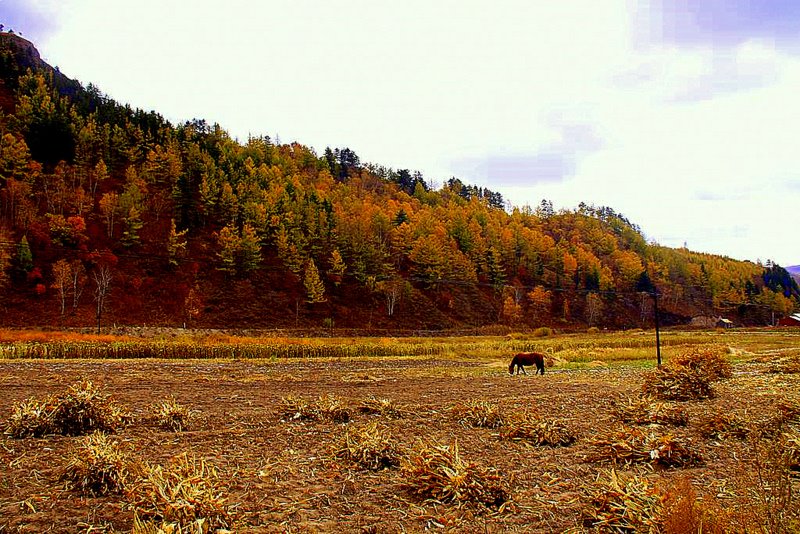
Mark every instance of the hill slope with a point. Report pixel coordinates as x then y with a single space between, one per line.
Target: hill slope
113 215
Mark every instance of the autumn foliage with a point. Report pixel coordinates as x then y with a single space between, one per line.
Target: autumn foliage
207 229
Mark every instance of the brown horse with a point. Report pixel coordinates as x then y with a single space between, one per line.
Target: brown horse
527 358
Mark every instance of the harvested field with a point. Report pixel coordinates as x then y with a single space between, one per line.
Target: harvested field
277 474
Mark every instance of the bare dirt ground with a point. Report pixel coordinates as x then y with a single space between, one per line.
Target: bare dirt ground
285 477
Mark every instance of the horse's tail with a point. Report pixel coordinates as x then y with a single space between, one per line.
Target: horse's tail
511 366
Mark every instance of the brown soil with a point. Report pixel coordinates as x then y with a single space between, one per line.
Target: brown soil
284 476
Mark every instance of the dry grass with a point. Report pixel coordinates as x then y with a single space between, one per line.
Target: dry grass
788 365
530 428
185 496
684 513
371 446
628 445
647 411
381 406
768 480
479 414
622 504
438 473
170 415
81 409
98 467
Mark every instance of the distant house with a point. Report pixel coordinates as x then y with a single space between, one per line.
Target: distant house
792 320
704 321
724 323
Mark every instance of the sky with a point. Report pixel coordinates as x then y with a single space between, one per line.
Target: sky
680 114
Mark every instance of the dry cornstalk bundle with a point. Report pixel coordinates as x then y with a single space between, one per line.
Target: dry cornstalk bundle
678 384
31 418
648 411
383 407
370 446
82 409
438 473
170 415
480 414
721 426
295 408
325 407
333 409
531 428
183 497
707 360
622 504
626 445
98 467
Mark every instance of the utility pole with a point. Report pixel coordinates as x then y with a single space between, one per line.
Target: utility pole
658 338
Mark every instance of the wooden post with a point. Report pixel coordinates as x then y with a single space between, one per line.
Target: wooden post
658 338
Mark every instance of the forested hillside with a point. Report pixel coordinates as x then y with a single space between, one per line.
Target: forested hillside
111 214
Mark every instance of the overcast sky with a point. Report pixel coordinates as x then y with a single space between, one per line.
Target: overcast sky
680 114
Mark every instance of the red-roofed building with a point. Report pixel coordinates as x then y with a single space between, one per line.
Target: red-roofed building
792 320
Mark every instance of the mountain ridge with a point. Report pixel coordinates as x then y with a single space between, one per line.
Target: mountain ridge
195 228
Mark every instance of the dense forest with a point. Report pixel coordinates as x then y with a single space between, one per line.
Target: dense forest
112 215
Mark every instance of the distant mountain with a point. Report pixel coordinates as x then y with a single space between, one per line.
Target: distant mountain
794 270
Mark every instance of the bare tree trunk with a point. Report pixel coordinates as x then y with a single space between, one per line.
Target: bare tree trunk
102 279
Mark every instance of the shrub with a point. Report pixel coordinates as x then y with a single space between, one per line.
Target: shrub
184 495
533 429
626 445
438 473
593 330
617 503
683 512
98 467
480 414
170 415
370 446
543 331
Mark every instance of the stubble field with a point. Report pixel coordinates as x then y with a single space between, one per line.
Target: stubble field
278 471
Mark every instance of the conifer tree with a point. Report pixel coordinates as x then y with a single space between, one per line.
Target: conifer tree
24 256
228 243
250 249
337 267
315 289
176 243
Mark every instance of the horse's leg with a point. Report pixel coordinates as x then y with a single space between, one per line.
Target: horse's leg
524 372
